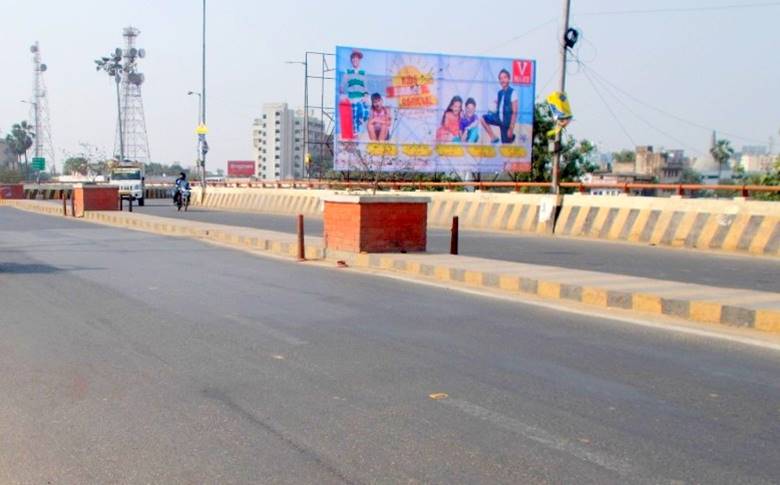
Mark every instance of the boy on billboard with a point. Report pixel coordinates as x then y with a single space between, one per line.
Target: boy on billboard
505 116
354 90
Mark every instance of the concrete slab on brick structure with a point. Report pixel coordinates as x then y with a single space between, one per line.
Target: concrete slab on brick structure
375 223
95 198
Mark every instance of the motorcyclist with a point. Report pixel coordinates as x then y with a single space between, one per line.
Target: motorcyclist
181 183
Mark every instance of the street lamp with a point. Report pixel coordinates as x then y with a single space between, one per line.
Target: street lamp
200 121
112 65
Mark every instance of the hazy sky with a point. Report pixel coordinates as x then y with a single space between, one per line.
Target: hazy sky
716 68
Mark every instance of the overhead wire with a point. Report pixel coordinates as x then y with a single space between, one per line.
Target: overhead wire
705 8
609 108
666 113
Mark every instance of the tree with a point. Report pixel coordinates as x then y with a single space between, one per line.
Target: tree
721 153
575 156
76 165
20 140
690 176
624 156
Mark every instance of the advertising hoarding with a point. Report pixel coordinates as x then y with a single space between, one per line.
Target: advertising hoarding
240 168
401 111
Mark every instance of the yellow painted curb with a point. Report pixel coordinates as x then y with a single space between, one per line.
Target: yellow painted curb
705 312
768 320
509 283
473 278
647 303
547 289
594 296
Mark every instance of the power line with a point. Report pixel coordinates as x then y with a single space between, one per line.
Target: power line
708 8
643 120
666 113
614 116
520 36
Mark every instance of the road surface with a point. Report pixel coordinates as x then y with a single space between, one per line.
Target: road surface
133 358
723 270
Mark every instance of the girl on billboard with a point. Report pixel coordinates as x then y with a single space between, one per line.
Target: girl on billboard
449 131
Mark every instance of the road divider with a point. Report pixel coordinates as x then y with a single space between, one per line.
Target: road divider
643 296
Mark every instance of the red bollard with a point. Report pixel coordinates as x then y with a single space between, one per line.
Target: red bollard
301 245
454 236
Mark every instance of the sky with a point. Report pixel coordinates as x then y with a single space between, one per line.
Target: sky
665 77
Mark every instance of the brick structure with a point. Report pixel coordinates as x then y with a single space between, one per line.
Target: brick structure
95 198
375 224
11 191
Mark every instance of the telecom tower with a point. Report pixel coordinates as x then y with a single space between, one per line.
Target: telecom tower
133 127
39 111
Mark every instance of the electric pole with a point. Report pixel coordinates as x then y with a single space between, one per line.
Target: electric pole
556 188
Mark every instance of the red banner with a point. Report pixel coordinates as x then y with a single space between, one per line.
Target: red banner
240 168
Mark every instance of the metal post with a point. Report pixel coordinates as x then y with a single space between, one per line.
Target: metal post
203 106
556 188
301 244
64 205
306 107
119 117
454 236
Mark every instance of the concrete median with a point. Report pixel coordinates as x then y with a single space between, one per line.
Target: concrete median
643 296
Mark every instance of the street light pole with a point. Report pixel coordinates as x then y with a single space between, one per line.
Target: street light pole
556 187
200 120
203 146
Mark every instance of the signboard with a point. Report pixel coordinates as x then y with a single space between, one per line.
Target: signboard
38 163
401 111
240 168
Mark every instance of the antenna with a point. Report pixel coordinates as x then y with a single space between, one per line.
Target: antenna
133 127
39 110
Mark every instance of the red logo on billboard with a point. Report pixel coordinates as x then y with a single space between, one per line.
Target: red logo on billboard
522 72
241 168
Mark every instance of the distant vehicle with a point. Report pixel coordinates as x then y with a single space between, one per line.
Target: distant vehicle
129 177
183 200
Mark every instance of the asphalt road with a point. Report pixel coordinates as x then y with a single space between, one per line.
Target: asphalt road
127 357
745 272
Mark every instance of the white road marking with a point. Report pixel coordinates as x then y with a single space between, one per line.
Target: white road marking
277 334
540 436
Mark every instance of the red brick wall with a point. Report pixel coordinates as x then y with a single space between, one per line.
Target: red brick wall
392 227
375 227
95 199
11 191
342 226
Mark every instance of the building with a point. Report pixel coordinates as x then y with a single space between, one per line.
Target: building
756 163
607 183
277 142
665 165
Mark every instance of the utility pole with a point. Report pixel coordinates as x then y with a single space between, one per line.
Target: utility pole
204 145
556 187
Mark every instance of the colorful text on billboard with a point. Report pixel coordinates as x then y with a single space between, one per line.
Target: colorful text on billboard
401 111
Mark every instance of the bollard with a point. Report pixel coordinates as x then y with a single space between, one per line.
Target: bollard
73 203
130 203
454 236
301 245
64 205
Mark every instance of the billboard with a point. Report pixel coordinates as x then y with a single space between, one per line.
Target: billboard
240 168
402 111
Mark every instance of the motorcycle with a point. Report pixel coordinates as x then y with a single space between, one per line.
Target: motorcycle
183 198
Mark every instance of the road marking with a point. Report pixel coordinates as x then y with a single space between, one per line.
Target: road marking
438 396
539 435
277 334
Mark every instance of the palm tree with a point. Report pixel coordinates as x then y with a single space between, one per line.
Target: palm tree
20 140
721 152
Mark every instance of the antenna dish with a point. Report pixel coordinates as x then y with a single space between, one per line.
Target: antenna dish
118 52
133 52
33 49
44 67
136 78
141 53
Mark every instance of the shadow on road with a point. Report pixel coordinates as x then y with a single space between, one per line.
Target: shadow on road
36 268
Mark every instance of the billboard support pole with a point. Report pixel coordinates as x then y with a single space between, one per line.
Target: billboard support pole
556 187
